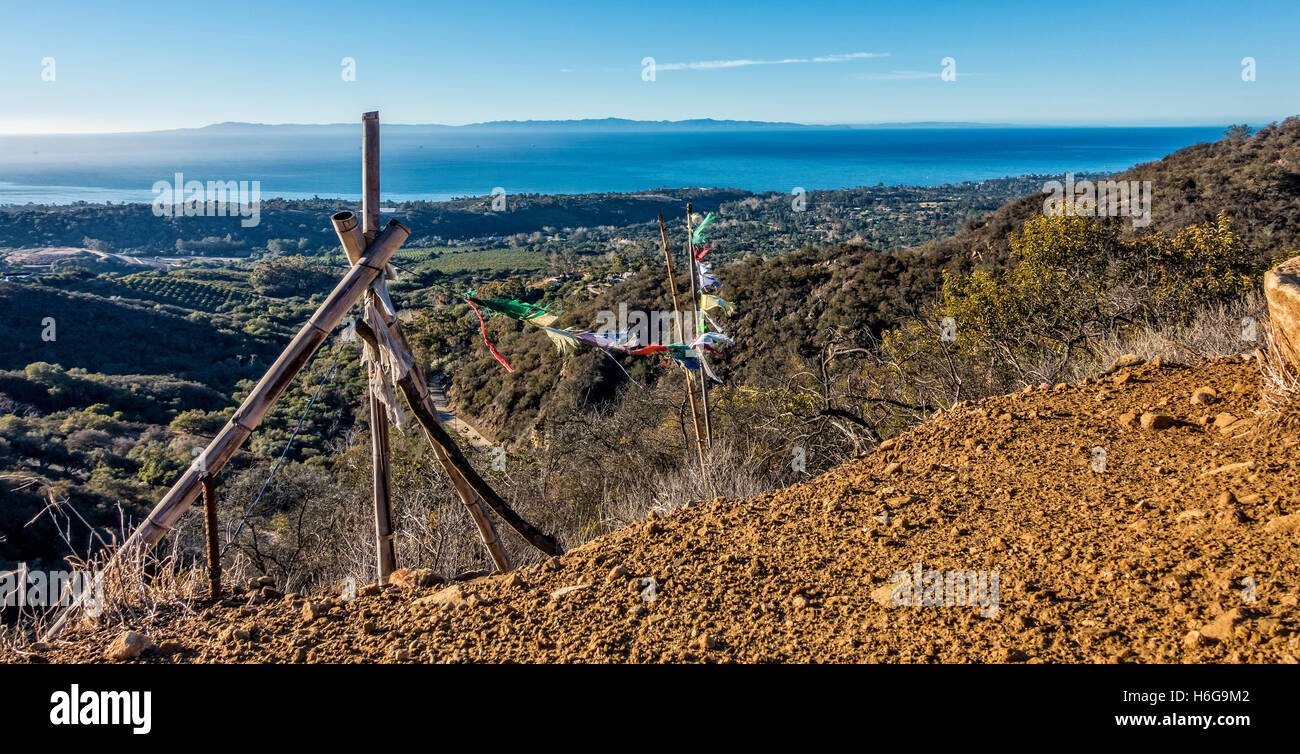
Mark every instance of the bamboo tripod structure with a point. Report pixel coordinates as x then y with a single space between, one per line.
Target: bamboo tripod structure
369 259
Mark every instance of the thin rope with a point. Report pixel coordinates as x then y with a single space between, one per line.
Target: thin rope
283 453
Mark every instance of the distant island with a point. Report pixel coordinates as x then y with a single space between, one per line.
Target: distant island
576 124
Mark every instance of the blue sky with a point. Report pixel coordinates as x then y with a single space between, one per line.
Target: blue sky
146 65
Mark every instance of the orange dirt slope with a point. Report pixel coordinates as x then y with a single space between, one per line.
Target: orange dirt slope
1182 548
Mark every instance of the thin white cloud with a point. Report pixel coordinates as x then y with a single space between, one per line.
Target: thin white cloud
713 65
906 75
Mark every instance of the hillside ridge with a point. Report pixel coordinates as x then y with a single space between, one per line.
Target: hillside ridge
1181 547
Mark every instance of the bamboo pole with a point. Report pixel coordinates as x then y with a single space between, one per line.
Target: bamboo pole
417 396
370 174
677 315
427 416
255 407
381 486
381 469
695 313
210 527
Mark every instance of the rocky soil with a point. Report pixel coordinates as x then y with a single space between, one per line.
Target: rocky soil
1151 516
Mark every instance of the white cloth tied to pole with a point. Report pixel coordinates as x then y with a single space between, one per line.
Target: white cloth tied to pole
385 367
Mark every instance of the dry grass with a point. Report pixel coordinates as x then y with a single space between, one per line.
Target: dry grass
1214 331
133 591
1280 379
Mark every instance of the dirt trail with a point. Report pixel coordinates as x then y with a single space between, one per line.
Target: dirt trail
457 426
1181 548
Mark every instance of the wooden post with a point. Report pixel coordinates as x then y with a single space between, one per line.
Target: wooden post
210 525
677 314
381 469
699 318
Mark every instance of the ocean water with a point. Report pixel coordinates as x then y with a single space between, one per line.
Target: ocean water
433 163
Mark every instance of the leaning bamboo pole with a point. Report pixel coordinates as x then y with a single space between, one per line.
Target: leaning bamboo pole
381 470
256 406
353 242
677 316
427 416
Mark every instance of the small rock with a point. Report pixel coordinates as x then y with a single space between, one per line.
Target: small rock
1193 639
1232 468
892 468
1156 421
235 635
1014 655
1190 515
566 590
1224 420
616 573
1284 524
1127 360
886 445
171 647
1127 419
271 593
313 610
799 602
451 597
706 641
128 646
408 578
1204 396
369 590
370 627
1221 628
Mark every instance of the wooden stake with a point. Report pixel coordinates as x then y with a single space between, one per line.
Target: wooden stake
214 547
381 470
677 315
699 318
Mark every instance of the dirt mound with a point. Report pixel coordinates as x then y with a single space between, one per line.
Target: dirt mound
1175 542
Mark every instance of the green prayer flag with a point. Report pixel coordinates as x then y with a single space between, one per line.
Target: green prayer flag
698 235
